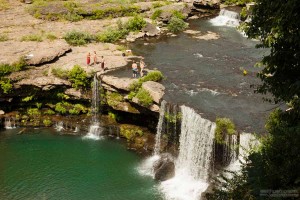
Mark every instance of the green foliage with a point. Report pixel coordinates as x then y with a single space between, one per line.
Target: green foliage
3 37
34 114
130 132
178 14
113 98
157 4
51 36
173 118
223 126
77 109
38 105
6 86
156 14
277 26
60 73
33 37
112 11
78 77
62 96
49 112
244 13
77 38
28 98
111 35
60 108
4 5
6 69
144 97
47 122
136 23
236 2
151 76
176 25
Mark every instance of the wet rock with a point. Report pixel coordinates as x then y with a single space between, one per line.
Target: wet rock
155 89
118 83
154 108
164 167
151 30
207 4
46 82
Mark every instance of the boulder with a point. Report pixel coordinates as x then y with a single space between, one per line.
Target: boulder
207 4
164 167
151 30
155 89
154 108
133 36
75 94
118 83
45 82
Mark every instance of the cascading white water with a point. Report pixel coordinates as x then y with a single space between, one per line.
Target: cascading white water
95 128
159 127
194 161
247 142
226 18
59 126
9 123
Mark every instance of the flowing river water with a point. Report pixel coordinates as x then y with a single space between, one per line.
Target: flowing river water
207 75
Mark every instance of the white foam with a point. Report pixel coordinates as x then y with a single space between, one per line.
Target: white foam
146 168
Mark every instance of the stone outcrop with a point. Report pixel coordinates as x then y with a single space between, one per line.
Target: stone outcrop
167 11
35 53
75 94
207 4
164 168
118 83
45 83
151 30
155 89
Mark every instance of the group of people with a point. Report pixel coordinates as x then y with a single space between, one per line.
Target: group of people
135 70
95 59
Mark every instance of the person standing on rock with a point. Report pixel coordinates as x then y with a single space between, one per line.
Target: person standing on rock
88 59
95 58
134 69
142 66
102 62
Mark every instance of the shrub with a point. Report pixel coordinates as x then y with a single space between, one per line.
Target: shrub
77 38
176 25
28 98
33 37
78 77
130 132
151 76
223 126
77 109
47 122
113 98
60 73
136 23
156 14
62 96
6 69
3 38
49 112
33 112
6 86
144 97
111 35
59 107
244 13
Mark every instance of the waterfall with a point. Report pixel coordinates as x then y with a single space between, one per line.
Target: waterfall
226 18
9 123
194 161
159 127
95 129
59 126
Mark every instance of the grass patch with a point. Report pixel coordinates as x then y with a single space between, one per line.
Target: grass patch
156 14
60 73
51 36
3 37
4 5
144 97
6 86
113 98
33 37
6 69
77 38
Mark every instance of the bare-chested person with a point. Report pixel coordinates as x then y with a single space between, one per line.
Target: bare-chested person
134 69
142 66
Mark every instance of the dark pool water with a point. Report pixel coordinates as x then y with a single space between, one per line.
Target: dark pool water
40 165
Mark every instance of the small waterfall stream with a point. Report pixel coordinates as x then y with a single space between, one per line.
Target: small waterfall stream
159 127
226 18
95 128
9 123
